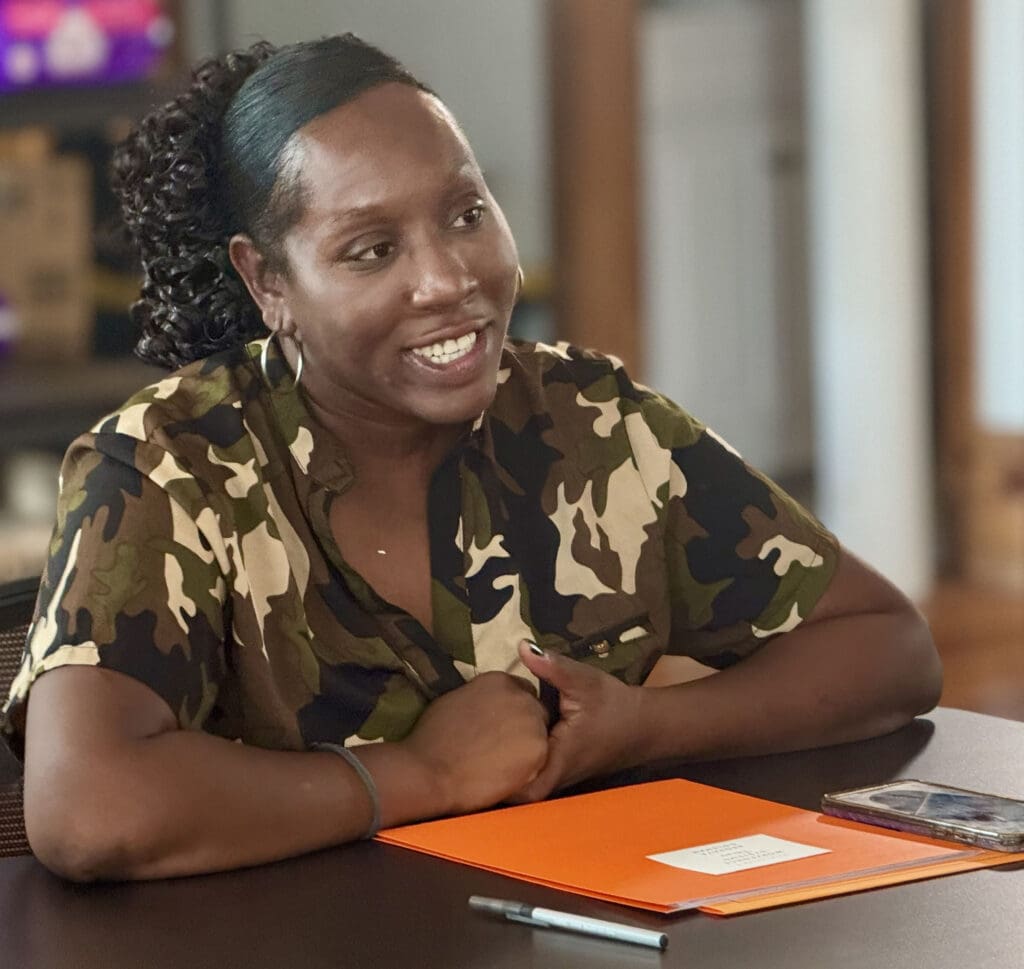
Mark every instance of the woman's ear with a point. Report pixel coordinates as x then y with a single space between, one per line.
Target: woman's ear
263 282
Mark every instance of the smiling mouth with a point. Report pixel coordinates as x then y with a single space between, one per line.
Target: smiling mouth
447 351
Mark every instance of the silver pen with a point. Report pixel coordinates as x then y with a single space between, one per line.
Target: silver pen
546 918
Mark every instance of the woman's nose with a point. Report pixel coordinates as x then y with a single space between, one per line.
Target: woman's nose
441 278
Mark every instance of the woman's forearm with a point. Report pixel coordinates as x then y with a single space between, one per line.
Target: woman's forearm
186 802
113 789
840 679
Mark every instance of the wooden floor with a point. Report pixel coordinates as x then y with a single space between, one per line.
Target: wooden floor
980 636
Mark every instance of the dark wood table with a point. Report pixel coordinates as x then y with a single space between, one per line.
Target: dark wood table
371 905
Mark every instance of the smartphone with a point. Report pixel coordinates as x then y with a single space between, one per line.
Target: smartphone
936 811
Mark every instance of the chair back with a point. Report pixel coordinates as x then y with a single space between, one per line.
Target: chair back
17 602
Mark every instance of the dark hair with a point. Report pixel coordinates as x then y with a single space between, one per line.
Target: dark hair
211 163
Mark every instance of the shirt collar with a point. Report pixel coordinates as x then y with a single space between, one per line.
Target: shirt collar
315 453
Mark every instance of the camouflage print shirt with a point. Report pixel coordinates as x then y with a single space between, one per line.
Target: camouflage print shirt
193 550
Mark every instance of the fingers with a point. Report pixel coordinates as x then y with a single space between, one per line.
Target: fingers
580 690
539 788
555 772
526 684
506 695
494 679
565 675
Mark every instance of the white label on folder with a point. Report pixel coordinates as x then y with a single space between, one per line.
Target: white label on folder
738 854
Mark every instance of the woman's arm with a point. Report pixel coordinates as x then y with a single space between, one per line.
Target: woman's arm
862 664
113 789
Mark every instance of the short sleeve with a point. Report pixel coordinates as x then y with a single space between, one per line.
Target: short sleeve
134 582
744 560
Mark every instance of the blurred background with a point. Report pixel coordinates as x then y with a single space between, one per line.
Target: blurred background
801 219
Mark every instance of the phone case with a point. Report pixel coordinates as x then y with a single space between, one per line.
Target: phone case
979 834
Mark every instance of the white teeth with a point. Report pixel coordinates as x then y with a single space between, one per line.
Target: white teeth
448 351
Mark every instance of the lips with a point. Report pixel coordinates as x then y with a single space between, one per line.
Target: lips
446 351
457 357
450 344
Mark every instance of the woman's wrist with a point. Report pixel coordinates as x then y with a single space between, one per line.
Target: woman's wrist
364 776
648 726
409 787
667 726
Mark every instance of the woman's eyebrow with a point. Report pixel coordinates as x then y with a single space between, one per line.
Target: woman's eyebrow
339 223
356 214
462 179
468 171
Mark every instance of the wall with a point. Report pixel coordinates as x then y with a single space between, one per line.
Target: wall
724 217
995 516
485 58
869 264
999 190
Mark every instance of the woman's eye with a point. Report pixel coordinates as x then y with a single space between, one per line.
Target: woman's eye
374 253
472 216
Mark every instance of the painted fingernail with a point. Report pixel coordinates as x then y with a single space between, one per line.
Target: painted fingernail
534 648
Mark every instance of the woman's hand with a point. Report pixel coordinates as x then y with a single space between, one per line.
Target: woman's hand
481 742
599 726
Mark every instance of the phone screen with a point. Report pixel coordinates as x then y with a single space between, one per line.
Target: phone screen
945 805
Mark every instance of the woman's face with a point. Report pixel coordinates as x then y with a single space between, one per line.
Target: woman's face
402 271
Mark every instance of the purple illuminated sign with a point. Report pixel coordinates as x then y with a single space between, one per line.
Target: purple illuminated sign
59 42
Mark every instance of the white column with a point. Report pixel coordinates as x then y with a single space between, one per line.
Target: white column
868 261
999 226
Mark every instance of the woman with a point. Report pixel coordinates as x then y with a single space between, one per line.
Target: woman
415 569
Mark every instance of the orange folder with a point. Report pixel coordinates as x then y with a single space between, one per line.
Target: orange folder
599 845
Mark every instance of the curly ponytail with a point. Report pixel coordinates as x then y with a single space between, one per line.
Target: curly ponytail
208 165
167 176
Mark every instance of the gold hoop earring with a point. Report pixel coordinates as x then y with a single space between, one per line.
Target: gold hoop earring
263 361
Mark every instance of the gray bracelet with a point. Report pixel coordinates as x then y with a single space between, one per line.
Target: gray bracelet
364 775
